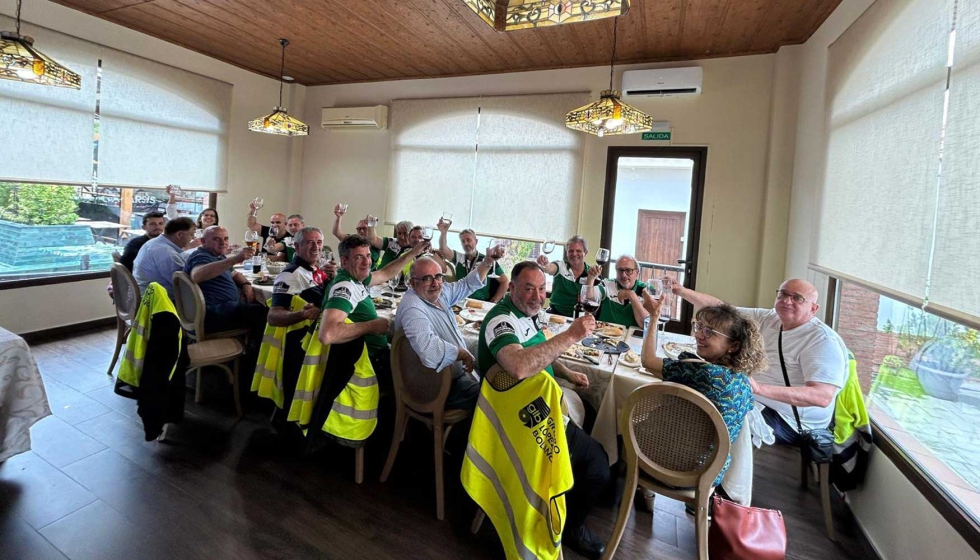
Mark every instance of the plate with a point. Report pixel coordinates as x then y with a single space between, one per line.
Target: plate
582 354
471 315
623 360
610 330
674 349
605 345
267 282
382 303
473 328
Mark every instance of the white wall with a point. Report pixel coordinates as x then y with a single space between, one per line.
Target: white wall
732 117
258 164
898 520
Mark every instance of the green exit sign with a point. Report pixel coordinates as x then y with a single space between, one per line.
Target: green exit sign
656 135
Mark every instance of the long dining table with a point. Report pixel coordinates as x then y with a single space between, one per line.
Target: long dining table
610 380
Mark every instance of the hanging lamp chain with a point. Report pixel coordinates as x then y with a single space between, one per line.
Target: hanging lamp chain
18 15
282 67
612 60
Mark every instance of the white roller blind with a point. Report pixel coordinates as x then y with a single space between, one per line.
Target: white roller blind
433 159
955 282
162 125
48 131
501 165
528 167
886 84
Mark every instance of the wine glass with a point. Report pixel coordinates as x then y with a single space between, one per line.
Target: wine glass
496 246
590 302
372 221
252 241
549 247
258 202
656 287
173 190
448 218
427 237
602 257
342 208
199 233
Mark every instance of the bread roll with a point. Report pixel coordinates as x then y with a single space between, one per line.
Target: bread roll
474 304
556 319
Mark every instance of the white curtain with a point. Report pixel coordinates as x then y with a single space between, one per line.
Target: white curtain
955 280
886 86
48 131
502 165
162 125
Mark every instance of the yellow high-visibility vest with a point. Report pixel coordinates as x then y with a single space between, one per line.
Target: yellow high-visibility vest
267 380
354 413
517 467
155 300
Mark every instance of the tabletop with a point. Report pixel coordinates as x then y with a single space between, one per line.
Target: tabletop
23 400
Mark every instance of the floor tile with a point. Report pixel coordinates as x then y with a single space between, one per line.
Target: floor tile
55 441
70 405
40 493
138 495
19 541
98 532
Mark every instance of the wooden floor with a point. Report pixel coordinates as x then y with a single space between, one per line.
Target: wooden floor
92 488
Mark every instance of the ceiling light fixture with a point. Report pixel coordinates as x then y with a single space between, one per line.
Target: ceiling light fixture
21 62
279 121
510 15
609 115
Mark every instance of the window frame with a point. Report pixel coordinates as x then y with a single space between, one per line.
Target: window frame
73 277
937 496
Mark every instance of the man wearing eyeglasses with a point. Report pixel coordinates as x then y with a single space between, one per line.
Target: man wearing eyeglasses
815 358
348 298
426 316
621 303
362 229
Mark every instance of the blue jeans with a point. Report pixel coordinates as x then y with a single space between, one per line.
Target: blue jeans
783 432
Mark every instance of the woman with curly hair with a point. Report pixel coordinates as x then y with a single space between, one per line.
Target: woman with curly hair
730 349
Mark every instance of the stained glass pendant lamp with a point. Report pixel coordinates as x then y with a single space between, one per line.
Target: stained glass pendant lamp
609 115
21 62
511 15
279 121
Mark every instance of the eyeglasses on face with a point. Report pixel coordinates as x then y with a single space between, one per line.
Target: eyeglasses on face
708 332
796 298
625 270
428 278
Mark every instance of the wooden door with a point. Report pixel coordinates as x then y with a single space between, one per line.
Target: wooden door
660 236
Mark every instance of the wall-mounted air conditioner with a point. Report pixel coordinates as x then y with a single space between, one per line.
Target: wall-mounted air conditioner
663 82
370 118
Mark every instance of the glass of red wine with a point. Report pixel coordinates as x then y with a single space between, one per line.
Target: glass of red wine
589 298
602 257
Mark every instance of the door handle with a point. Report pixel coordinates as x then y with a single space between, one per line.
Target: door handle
682 261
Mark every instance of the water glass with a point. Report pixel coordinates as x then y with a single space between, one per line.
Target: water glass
372 221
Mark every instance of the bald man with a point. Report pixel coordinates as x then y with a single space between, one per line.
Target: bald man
814 355
277 220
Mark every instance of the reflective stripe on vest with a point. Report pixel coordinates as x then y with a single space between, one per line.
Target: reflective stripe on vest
155 300
267 380
354 413
517 466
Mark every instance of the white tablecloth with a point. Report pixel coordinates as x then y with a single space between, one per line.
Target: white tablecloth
22 398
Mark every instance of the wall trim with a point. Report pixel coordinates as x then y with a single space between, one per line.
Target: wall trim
937 496
57 332
50 280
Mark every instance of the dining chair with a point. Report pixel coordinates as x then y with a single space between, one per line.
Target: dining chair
676 443
421 393
116 257
205 350
126 301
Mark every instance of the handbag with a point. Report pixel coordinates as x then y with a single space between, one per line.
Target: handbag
816 446
740 532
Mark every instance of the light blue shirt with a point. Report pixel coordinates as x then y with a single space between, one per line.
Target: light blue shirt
432 330
157 261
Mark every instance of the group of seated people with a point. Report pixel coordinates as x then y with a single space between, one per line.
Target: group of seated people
741 352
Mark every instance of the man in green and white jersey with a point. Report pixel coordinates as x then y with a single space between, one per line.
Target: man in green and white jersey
494 289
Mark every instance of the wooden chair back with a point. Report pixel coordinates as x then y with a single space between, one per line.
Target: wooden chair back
125 293
675 435
422 389
189 301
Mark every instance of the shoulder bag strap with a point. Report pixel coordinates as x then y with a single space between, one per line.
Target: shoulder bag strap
782 364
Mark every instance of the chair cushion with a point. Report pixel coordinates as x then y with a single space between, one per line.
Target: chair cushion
214 351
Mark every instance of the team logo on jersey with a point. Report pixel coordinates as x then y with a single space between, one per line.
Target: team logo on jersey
503 328
342 292
534 413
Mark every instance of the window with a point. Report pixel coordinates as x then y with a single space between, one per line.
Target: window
501 165
921 375
64 230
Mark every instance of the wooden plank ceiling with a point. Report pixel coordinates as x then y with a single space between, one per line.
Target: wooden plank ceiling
346 41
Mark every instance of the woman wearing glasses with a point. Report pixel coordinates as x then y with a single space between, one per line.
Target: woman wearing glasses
730 349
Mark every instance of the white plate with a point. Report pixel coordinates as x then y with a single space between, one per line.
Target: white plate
470 329
673 350
471 315
629 365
